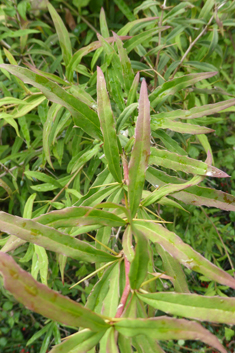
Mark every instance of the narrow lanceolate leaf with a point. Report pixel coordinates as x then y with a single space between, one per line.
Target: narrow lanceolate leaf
215 309
127 72
160 94
165 328
105 113
145 344
51 239
140 152
169 189
111 346
62 33
100 290
183 252
194 195
42 300
173 269
185 164
79 216
139 265
79 342
178 126
196 112
83 116
52 112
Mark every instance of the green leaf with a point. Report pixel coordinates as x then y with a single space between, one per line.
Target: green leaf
79 216
39 298
83 116
100 290
132 43
161 93
62 34
107 127
140 152
194 195
51 239
125 115
185 164
127 244
42 262
139 265
103 24
174 270
169 143
179 127
183 252
165 328
127 72
133 90
52 113
145 344
124 30
125 9
79 342
111 346
214 309
168 189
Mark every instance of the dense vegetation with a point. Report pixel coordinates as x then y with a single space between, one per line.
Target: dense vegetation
117 179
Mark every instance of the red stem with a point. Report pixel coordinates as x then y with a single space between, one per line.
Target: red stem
126 291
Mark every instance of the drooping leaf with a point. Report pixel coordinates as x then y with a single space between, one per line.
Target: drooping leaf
183 252
83 116
183 163
62 34
51 239
165 328
140 152
39 298
195 195
107 126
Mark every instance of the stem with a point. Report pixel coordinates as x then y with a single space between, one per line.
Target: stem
195 40
125 168
126 291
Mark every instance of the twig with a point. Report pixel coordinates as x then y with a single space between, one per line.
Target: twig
195 40
126 291
82 18
191 45
65 187
10 170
